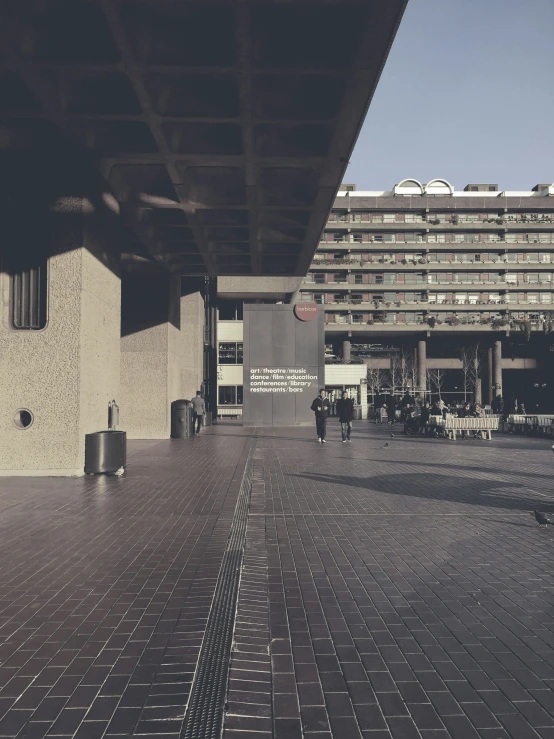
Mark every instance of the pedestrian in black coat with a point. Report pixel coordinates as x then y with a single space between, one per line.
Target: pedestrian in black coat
345 412
321 407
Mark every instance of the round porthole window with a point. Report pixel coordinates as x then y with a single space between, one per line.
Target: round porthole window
23 419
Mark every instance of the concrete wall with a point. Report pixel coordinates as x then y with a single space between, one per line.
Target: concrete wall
274 338
161 352
67 373
192 340
252 288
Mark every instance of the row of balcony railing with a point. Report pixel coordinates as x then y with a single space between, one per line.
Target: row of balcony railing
454 219
417 280
379 305
436 238
321 262
451 321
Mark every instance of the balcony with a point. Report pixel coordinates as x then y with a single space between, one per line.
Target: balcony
381 265
402 305
347 284
385 328
500 224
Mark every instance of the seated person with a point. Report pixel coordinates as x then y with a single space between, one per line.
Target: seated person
411 425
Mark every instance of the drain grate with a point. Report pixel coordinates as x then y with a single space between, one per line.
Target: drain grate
204 716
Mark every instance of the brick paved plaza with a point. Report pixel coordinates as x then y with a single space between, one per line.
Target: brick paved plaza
400 591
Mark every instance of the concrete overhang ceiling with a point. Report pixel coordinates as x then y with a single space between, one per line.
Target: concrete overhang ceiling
222 128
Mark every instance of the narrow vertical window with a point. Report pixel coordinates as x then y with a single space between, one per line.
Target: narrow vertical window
29 296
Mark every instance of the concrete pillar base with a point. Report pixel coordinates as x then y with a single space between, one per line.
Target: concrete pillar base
66 373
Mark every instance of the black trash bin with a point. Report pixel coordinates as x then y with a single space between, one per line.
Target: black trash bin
182 421
105 452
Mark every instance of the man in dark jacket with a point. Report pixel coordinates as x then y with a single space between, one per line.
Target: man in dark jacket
345 412
321 406
498 404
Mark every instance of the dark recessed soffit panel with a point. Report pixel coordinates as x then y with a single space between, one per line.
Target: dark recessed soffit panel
223 128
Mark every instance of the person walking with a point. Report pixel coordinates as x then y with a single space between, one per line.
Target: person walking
321 407
345 412
198 411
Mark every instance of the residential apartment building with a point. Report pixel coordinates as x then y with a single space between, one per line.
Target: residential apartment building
427 271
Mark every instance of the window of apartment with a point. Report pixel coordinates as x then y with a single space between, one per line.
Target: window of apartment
413 237
379 279
318 298
510 277
339 277
357 238
389 218
357 318
319 278
339 237
532 277
306 297
230 394
389 278
339 298
338 255
230 310
378 298
377 218
230 352
436 238
377 237
511 256
28 296
357 297
545 277
358 279
356 217
413 217
546 297
545 256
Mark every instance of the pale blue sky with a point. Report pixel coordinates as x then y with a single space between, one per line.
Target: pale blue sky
467 94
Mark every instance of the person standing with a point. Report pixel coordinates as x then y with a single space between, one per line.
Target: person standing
321 407
391 410
345 412
198 411
424 418
498 404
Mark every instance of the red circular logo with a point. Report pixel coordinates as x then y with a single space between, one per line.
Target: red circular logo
305 311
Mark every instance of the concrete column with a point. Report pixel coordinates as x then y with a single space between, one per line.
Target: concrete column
490 394
422 366
498 368
363 398
346 350
66 373
161 351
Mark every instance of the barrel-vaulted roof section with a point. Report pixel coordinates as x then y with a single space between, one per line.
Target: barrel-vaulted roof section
222 127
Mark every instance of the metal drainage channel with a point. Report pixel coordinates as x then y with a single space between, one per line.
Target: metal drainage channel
204 716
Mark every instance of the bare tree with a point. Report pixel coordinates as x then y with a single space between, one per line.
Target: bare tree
435 380
394 372
476 367
465 356
403 369
375 380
